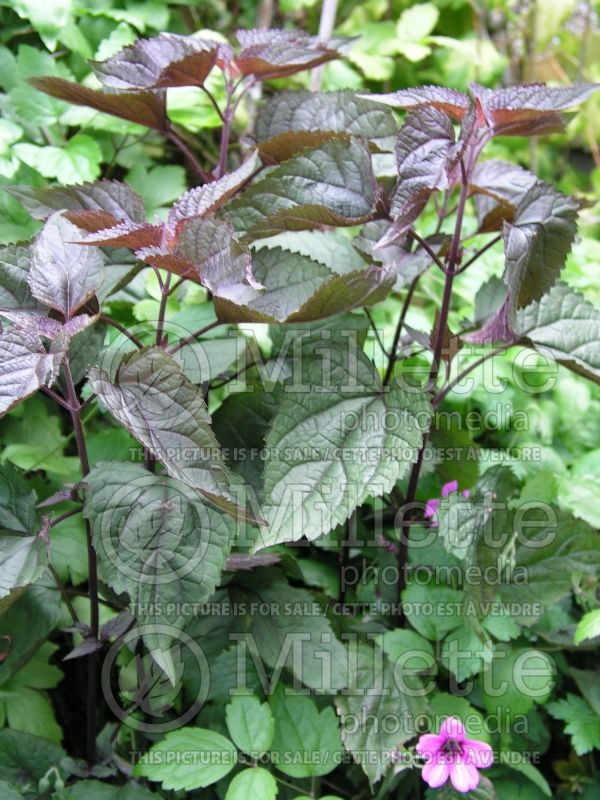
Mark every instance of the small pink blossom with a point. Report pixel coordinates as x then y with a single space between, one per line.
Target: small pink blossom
432 506
449 754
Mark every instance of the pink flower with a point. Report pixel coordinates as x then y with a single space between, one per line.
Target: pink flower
449 754
432 506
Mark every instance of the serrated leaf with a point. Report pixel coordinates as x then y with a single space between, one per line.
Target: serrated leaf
166 413
25 759
109 200
588 626
96 790
25 367
296 113
23 559
332 249
77 160
250 724
164 61
530 109
333 185
583 724
255 782
565 324
301 728
499 188
63 274
450 101
375 695
313 476
538 242
157 541
298 289
17 501
277 53
185 773
15 263
144 108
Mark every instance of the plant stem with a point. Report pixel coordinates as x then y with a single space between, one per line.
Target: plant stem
110 321
162 310
225 134
479 253
185 150
434 257
66 515
394 351
439 397
194 336
442 324
64 595
92 658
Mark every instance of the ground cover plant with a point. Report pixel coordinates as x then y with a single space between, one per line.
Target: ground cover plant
299 415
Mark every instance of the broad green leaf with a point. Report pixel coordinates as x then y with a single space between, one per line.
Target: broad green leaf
379 692
63 275
17 501
425 608
157 541
551 555
417 22
399 642
96 790
531 773
47 18
215 757
78 160
519 678
250 724
167 414
30 711
25 758
583 724
564 324
23 560
588 626
333 185
299 289
315 475
158 186
256 783
301 728
8 792
288 113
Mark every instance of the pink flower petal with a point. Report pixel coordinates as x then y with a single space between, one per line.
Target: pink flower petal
431 507
480 754
429 744
464 777
467 493
436 773
452 728
448 488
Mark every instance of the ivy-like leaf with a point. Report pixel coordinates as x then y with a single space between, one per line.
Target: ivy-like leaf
278 53
299 289
530 109
63 275
158 63
144 108
287 121
333 185
314 475
452 102
564 323
167 414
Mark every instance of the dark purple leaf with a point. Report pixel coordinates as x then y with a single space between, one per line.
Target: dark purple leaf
496 330
15 263
530 109
126 234
84 649
144 108
277 53
238 561
116 626
499 187
70 492
453 103
158 63
25 366
111 200
63 275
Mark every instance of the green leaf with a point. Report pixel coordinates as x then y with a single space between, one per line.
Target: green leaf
333 185
425 607
256 783
588 626
158 542
17 501
250 724
25 366
188 758
158 186
564 324
380 692
47 18
167 414
95 790
520 678
31 711
8 792
332 249
531 773
25 758
583 724
15 263
313 477
299 289
300 728
417 22
23 560
77 161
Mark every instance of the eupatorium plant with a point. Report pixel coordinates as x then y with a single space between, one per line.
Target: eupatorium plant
258 231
